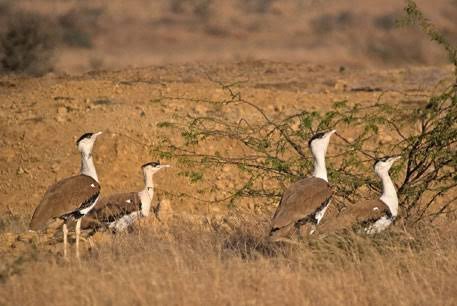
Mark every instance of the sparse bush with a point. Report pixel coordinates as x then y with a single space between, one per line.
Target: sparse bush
5 7
396 49
414 16
386 22
27 45
201 9
78 25
269 153
257 6
177 6
331 22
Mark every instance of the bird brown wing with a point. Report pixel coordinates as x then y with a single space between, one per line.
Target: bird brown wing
65 197
111 208
301 200
359 214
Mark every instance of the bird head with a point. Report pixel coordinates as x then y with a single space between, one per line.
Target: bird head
384 164
319 142
153 167
85 143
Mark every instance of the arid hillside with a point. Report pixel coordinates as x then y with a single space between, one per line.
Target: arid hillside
42 117
93 35
228 93
198 253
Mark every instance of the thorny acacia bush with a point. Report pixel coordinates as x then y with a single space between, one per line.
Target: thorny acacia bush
272 153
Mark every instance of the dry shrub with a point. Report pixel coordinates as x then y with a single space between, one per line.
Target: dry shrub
257 6
199 9
13 223
28 44
77 26
327 23
5 7
212 263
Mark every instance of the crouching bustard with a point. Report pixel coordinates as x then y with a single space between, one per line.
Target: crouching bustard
118 211
369 216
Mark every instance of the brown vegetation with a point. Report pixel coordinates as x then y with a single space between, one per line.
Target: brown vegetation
27 46
217 262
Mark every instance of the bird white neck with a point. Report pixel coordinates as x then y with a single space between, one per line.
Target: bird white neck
389 194
320 171
148 182
147 194
87 166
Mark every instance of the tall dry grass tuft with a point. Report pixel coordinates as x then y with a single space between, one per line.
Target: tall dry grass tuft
229 262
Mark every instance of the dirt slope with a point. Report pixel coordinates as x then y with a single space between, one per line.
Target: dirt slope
41 118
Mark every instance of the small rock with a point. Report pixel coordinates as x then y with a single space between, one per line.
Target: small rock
251 206
20 171
62 110
341 85
55 168
201 108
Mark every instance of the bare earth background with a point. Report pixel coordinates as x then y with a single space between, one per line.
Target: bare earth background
290 55
114 34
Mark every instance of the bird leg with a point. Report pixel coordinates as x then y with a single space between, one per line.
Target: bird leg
88 240
78 233
91 242
313 229
65 241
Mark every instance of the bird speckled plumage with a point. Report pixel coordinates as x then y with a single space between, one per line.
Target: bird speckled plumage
111 208
300 201
64 198
359 215
119 211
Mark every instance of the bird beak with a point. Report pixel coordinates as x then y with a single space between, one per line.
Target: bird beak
331 132
164 166
98 134
394 159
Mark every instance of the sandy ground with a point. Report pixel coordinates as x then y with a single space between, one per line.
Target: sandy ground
42 117
284 56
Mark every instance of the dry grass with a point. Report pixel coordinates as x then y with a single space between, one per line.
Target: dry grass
229 263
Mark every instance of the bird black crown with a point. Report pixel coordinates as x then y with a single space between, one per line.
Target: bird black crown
153 164
84 136
316 136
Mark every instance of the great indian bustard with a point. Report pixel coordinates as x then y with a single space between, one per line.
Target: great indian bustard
371 216
119 211
73 197
307 200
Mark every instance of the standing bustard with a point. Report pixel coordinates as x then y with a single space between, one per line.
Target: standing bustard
307 200
120 210
73 197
